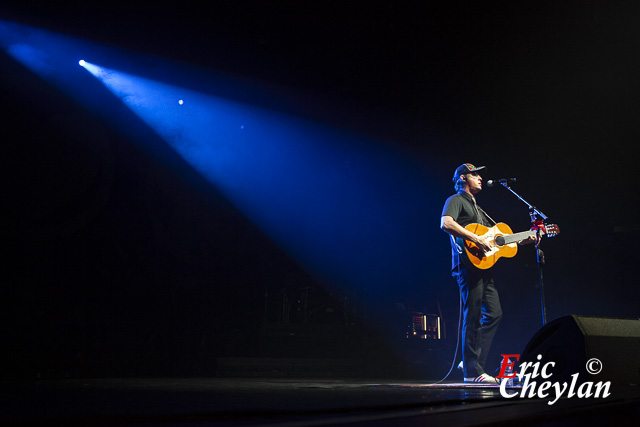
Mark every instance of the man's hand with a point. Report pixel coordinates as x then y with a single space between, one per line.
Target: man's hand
449 225
529 240
483 243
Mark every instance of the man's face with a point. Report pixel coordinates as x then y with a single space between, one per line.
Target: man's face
474 182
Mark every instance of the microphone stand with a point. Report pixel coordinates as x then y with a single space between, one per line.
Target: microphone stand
534 213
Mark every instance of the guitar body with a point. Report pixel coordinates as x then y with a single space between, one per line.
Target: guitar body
484 260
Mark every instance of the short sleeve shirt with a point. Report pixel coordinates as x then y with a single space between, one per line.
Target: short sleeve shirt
462 208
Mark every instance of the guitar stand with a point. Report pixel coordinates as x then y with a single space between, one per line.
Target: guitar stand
538 224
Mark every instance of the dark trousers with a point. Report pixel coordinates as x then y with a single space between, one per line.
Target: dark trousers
481 315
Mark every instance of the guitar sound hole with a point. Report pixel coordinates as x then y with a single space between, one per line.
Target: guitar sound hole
500 240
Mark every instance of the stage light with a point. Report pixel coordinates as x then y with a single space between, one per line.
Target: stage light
334 200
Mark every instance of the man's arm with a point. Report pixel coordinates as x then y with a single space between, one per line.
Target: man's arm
449 225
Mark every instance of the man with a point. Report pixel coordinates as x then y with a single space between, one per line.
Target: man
480 301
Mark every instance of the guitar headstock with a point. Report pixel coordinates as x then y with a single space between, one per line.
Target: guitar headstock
551 230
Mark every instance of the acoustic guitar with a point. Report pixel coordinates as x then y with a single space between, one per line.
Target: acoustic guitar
504 243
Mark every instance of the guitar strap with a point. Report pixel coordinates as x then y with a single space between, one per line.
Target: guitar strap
478 210
487 215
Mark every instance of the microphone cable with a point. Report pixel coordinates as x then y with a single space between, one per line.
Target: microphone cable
455 355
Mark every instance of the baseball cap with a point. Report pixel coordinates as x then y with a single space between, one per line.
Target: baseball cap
466 168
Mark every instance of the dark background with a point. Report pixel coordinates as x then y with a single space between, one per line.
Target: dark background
120 262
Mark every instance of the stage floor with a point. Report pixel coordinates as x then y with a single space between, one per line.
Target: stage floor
295 402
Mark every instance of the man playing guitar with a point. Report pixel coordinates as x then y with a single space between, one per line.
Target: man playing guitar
480 301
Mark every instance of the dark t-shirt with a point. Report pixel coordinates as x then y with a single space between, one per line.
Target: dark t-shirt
464 211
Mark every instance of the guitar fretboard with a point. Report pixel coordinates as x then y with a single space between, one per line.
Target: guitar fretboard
511 238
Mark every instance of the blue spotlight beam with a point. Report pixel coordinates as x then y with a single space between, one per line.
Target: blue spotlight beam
335 205
347 208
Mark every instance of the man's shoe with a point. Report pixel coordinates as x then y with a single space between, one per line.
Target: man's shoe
483 379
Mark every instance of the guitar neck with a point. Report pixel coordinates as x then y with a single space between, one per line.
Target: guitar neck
511 238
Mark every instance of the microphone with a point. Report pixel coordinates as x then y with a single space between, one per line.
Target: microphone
493 182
